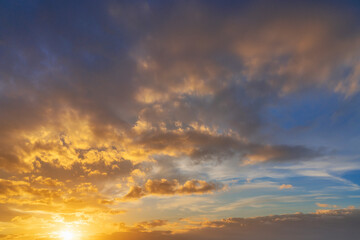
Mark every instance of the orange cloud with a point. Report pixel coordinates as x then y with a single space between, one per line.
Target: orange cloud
324 205
167 187
286 186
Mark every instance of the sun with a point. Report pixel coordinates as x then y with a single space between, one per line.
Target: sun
67 235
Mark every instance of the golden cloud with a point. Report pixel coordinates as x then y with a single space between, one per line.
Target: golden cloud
172 187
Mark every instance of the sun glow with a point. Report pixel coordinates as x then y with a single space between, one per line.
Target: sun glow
67 235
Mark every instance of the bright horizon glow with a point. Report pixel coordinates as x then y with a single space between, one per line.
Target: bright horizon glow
67 235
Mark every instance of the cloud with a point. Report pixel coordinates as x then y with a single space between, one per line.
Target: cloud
7 214
225 82
271 51
153 223
147 226
324 205
99 98
207 145
285 186
299 226
172 187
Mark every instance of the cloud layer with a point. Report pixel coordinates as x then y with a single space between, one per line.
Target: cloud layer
330 225
130 111
166 187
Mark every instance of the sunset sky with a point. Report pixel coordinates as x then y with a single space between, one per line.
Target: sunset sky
179 120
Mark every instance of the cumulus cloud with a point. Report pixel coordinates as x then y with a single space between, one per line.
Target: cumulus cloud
271 52
286 186
172 187
225 82
145 226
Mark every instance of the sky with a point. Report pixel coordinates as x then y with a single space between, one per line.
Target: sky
179 120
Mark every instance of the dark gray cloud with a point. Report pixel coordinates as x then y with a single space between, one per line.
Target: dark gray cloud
206 146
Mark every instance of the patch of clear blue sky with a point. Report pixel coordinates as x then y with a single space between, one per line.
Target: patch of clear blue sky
353 176
316 117
306 192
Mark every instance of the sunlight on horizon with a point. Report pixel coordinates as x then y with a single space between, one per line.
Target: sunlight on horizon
68 234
